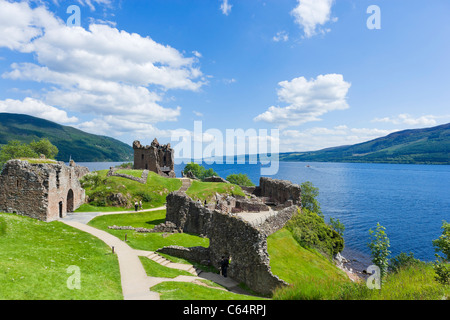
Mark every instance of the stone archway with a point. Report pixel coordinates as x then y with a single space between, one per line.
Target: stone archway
70 201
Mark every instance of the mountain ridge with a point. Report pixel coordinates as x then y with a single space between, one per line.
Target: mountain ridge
71 142
411 146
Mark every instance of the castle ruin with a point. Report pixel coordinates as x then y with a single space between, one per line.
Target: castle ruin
155 157
43 191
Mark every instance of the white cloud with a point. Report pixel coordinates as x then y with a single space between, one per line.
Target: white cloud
281 36
225 7
307 100
36 108
198 114
313 13
427 120
319 137
100 71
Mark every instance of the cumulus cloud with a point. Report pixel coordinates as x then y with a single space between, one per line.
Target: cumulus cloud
307 100
36 108
225 7
310 14
427 120
100 71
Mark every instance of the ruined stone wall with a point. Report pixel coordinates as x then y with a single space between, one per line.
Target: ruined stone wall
42 191
229 236
280 191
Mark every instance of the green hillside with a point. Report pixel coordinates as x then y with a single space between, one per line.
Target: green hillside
71 142
418 146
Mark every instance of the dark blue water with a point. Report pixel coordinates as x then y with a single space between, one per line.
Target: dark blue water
410 201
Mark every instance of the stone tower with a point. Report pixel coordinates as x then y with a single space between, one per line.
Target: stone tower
157 158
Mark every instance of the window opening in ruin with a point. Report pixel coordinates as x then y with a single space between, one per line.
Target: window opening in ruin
142 156
57 179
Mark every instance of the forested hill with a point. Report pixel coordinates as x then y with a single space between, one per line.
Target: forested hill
416 146
71 142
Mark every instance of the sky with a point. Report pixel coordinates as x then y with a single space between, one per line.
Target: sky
323 73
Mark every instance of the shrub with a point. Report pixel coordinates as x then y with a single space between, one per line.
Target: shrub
442 264
309 197
240 179
311 231
403 260
199 171
379 248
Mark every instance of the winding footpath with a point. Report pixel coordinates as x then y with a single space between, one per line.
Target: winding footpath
135 282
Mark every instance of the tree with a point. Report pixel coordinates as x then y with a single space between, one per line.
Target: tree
45 147
240 179
379 247
309 197
199 171
337 226
15 149
442 264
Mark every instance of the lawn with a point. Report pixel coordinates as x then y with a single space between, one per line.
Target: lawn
146 241
207 190
190 291
100 190
35 257
311 275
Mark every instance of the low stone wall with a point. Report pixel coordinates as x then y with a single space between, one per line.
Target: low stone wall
277 222
231 236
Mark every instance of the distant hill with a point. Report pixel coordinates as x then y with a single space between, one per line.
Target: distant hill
416 146
71 142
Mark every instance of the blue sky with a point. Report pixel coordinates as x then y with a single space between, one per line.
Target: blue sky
311 68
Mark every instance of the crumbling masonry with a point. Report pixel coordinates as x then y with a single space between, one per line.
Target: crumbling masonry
155 157
43 191
230 235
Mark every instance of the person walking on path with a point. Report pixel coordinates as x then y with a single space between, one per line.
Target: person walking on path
136 205
140 205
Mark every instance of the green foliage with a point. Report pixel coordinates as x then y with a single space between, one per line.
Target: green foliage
207 190
240 179
337 226
403 260
309 197
443 243
311 231
379 247
442 264
15 149
199 171
45 147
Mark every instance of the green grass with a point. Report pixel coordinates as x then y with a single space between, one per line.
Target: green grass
154 269
189 291
34 161
130 172
311 275
153 193
35 255
206 190
145 241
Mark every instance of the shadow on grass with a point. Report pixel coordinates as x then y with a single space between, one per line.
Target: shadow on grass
156 221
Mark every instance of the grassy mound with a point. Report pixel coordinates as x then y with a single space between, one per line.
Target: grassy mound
102 191
35 257
206 190
311 275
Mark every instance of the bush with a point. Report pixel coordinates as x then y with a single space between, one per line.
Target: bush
309 197
442 264
379 248
311 231
403 260
199 171
240 179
